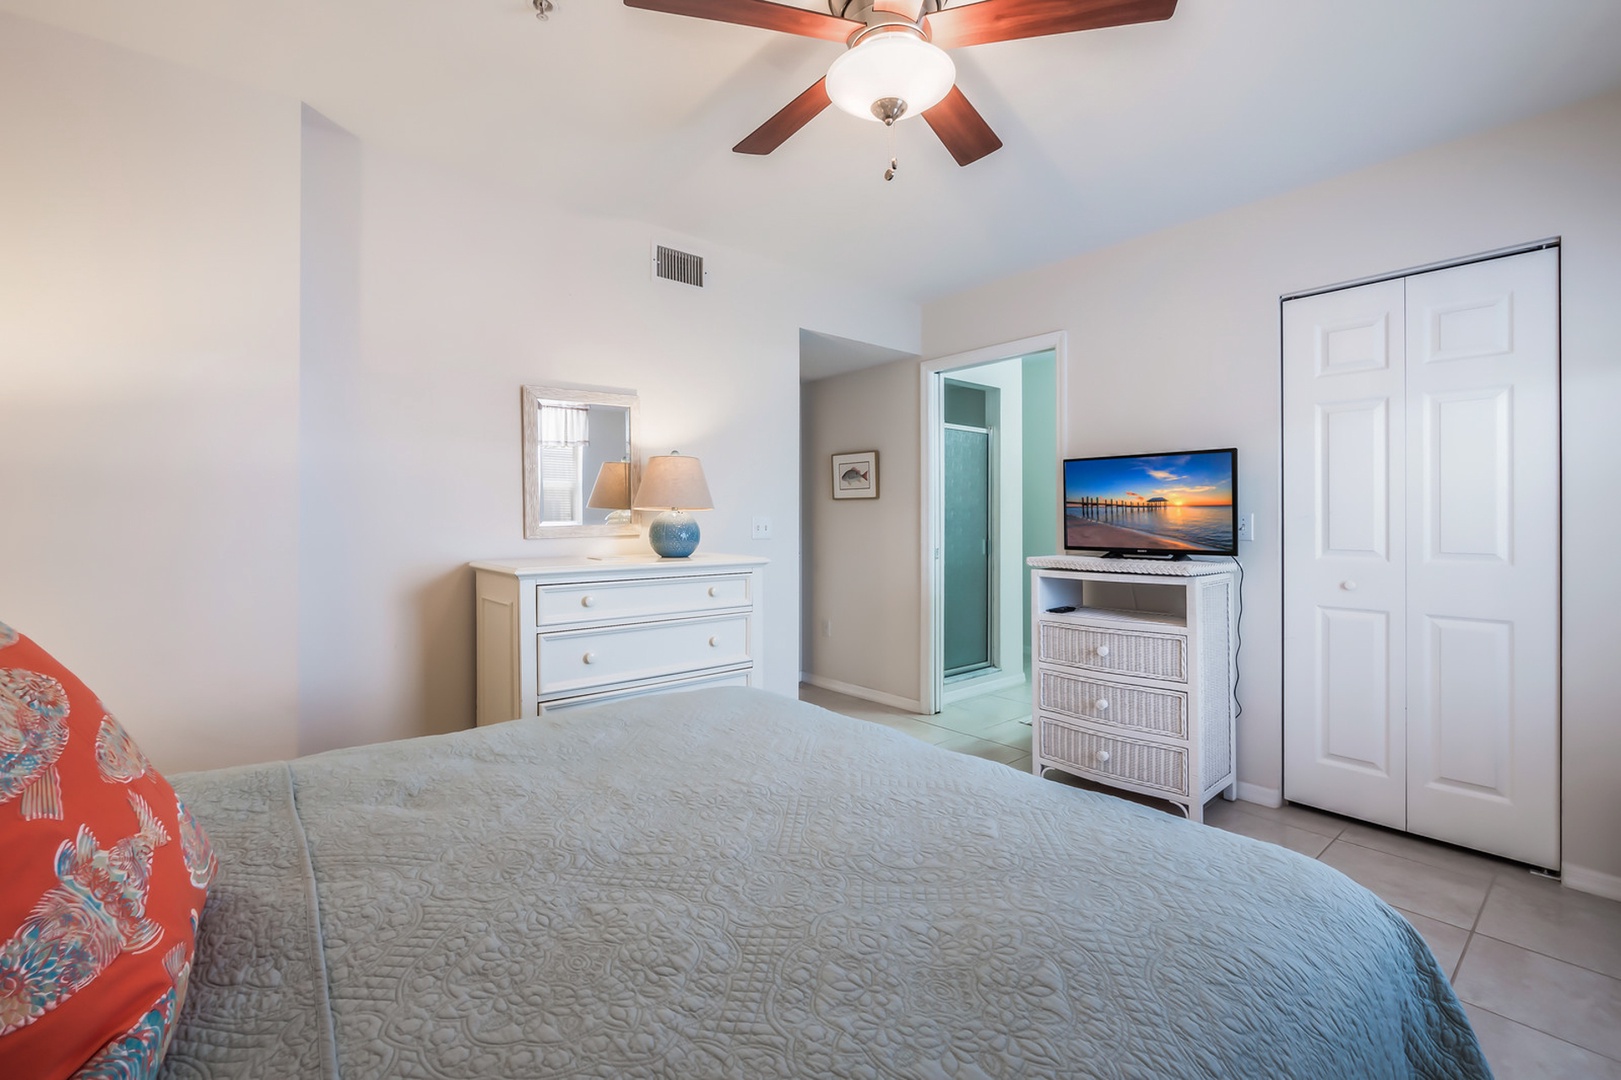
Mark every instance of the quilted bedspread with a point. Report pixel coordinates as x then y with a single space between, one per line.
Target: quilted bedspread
728 883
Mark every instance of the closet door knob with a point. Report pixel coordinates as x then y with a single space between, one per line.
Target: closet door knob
589 658
587 601
1103 650
1103 757
1348 586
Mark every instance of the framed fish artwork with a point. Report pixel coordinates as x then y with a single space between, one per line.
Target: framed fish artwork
855 476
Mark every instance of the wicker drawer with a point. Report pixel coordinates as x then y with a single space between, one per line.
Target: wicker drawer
604 601
1147 764
573 662
1163 712
1123 652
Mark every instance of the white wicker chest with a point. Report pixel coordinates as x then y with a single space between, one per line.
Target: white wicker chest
1133 687
555 633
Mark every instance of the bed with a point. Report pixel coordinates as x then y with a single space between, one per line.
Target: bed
728 883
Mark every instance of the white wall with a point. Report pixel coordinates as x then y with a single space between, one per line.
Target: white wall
465 294
149 390
862 555
1041 465
254 546
1174 343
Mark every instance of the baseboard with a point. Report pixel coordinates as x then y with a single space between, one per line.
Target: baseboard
894 701
1584 880
1263 796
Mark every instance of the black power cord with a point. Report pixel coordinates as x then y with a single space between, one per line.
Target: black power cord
1238 630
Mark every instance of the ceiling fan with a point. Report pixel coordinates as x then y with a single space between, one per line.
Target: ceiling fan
896 65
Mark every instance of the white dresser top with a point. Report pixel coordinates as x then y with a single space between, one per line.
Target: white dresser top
618 565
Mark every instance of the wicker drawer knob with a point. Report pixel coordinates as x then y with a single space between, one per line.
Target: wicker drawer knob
1103 757
1103 650
589 658
1103 705
587 601
714 590
714 641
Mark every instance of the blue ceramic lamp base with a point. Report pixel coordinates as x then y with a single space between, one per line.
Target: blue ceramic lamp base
673 534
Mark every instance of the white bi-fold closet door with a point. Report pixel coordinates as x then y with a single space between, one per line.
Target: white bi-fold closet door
1421 554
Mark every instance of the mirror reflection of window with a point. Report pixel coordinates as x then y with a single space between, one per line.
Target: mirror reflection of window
559 485
565 433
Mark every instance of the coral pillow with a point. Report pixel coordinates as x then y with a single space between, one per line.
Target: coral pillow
102 875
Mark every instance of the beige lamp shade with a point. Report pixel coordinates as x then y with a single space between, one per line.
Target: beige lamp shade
673 482
612 489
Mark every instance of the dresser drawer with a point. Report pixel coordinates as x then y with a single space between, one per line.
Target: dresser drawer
1091 753
1163 712
1122 652
736 677
570 662
604 601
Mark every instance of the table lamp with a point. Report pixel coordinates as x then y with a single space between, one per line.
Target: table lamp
673 483
612 492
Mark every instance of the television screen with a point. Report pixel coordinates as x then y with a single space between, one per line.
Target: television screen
1153 503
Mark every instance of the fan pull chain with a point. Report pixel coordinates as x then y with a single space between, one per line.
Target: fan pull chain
894 162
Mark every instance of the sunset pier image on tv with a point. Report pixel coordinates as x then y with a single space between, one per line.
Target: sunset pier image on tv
1152 503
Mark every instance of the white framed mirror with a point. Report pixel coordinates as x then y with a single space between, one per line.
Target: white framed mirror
569 435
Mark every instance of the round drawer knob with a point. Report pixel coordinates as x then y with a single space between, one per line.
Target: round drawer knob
587 601
1348 586
714 590
589 658
1103 757
1103 650
713 642
1103 705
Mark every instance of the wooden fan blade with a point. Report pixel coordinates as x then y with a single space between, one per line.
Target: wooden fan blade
961 128
906 9
761 13
1008 20
793 116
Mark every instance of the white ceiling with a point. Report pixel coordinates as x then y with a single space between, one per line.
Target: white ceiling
1108 134
825 355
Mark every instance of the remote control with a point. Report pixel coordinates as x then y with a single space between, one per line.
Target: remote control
1060 610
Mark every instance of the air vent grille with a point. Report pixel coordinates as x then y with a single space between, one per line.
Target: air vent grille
679 266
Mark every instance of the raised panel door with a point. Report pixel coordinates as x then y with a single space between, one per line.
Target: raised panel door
1344 477
1483 556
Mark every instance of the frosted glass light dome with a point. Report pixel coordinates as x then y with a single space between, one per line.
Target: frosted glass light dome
890 65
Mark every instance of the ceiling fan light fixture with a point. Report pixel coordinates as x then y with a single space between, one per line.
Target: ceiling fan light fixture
895 64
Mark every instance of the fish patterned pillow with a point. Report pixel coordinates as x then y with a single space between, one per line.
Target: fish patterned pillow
104 874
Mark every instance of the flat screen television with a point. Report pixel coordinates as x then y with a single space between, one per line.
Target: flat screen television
1153 504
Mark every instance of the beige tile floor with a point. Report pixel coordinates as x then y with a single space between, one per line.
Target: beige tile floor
1537 966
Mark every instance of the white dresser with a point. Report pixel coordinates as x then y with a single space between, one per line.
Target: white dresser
554 633
1134 687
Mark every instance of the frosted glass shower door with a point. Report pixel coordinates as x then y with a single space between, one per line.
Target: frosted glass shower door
967 549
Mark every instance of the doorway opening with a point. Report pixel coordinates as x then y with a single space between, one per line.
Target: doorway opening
990 493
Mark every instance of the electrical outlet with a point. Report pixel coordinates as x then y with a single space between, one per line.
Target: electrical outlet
1246 526
762 528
